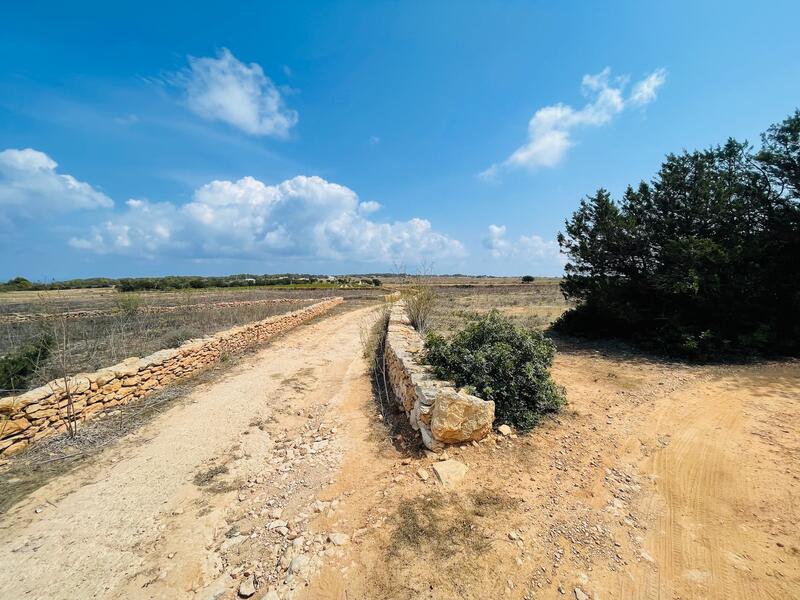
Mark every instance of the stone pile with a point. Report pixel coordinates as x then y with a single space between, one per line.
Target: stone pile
40 412
441 413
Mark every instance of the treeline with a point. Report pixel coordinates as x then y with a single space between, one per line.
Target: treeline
702 261
178 282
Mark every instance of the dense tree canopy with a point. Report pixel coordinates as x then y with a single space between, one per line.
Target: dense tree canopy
703 259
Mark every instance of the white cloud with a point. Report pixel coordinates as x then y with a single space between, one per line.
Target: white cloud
532 247
551 127
30 186
225 89
495 241
301 217
370 206
645 91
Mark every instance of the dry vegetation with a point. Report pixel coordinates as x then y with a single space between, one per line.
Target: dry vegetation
85 344
107 298
535 304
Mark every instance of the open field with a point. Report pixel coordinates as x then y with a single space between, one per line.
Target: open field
87 344
660 479
534 304
108 298
131 329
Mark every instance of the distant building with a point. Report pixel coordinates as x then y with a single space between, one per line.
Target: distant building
248 281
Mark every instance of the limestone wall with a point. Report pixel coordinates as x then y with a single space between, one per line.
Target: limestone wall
441 413
40 412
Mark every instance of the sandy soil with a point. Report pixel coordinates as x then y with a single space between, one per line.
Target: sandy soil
658 481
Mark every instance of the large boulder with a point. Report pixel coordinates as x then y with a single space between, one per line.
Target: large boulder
461 417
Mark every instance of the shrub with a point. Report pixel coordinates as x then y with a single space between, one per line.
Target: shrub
177 336
528 279
17 368
128 303
501 362
420 301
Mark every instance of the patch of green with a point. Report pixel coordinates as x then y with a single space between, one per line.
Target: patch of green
17 368
502 362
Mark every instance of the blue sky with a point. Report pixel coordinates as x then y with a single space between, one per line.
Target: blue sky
152 138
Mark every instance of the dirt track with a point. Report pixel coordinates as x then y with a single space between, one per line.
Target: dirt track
658 481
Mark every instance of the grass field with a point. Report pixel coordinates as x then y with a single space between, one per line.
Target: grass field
89 343
107 298
535 304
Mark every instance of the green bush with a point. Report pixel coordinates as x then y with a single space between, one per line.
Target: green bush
128 303
177 336
18 367
501 362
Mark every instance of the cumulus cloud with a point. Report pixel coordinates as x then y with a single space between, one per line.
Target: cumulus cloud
526 247
550 130
224 89
301 217
31 186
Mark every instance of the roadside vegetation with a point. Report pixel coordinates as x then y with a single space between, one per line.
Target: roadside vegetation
502 362
701 261
373 344
35 352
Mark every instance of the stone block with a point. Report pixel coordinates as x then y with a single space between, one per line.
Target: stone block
461 417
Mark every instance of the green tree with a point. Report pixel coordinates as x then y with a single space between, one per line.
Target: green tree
701 260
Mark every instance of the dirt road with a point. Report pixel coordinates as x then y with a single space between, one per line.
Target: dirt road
142 521
658 481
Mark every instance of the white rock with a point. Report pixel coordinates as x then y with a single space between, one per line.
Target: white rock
215 590
298 564
248 587
231 542
276 524
581 595
504 430
339 539
450 472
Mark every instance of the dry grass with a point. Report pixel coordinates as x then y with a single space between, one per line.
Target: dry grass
107 298
92 343
448 529
437 525
534 305
207 477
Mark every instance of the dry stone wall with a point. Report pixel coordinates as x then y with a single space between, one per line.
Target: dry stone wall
441 413
40 412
